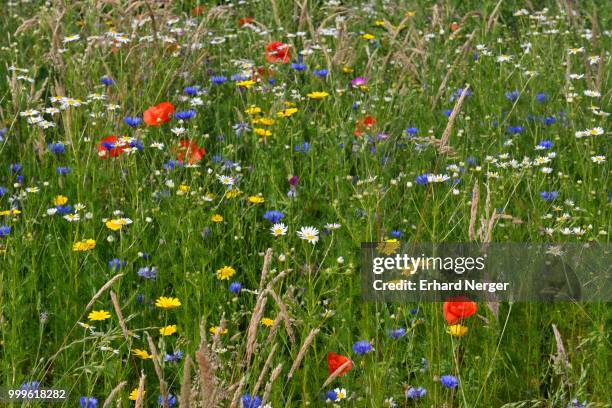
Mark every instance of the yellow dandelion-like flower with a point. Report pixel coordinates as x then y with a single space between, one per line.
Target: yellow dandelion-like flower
98 315
233 193
225 273
347 70
285 113
168 330
368 37
216 218
457 330
379 23
317 95
12 211
256 200
262 132
263 121
184 188
60 200
266 321
252 110
245 84
134 394
217 330
164 302
142 354
84 245
410 14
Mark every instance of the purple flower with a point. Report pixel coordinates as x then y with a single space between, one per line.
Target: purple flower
414 393
176 356
362 347
88 402
249 401
185 115
132 121
190 90
397 333
171 399
545 144
359 81
115 264
105 80
218 80
512 96
148 273
293 181
548 195
320 72
5 230
449 381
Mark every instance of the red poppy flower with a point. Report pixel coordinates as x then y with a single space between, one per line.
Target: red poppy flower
156 115
110 147
245 20
190 151
278 52
334 361
454 27
367 122
458 308
197 10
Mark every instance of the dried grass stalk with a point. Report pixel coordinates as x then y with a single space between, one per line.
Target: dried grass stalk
208 381
102 290
158 371
451 120
273 377
283 313
264 370
109 400
115 303
140 394
473 211
185 397
302 352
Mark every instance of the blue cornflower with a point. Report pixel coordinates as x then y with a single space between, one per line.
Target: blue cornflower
239 77
115 264
191 90
575 404
62 171
513 130
396 234
132 121
15 167
273 216
105 80
271 81
249 401
171 399
449 381
412 131
57 148
303 148
459 92
414 393
331 395
235 287
550 120
423 179
30 386
218 80
148 273
397 333
185 115
298 66
63 209
362 347
320 72
512 96
548 195
171 164
447 112
541 97
176 356
88 402
545 144
144 255
140 298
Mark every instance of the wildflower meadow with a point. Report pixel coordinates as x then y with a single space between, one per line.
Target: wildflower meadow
185 188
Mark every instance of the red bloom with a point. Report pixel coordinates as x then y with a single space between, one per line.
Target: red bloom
334 361
454 27
278 52
110 147
367 122
191 151
458 308
245 20
156 115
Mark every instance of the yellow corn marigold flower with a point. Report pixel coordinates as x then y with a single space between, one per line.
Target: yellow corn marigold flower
317 95
410 14
233 193
252 110
98 315
263 121
216 218
134 394
256 200
225 273
379 23
457 330
184 188
84 245
117 224
368 37
347 70
60 200
262 132
217 330
142 354
285 113
266 321
12 211
245 84
164 302
168 330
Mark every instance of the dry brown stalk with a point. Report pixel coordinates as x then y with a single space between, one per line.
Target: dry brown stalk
115 303
302 352
158 371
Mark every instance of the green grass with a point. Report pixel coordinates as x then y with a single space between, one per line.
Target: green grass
503 360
